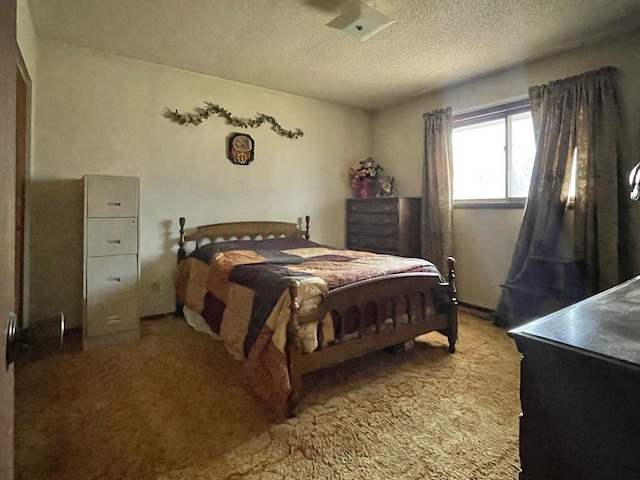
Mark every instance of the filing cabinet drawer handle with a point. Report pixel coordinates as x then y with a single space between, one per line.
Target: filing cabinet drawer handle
114 204
114 279
112 319
114 241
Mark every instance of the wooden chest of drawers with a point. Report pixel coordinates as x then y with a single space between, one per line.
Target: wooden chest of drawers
580 389
384 225
111 260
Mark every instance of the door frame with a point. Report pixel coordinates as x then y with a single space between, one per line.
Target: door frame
23 173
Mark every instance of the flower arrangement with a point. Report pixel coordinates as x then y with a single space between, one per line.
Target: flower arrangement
387 187
365 176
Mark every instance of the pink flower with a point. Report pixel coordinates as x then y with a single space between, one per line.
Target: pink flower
366 170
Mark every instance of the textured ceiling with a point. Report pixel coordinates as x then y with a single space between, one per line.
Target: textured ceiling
285 44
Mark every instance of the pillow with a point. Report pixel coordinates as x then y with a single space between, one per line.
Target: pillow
206 252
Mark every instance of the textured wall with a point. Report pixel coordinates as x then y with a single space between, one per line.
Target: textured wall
103 114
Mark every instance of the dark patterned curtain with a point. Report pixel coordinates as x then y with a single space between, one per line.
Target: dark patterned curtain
580 113
437 188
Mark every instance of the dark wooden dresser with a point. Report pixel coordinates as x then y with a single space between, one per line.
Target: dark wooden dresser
580 389
384 225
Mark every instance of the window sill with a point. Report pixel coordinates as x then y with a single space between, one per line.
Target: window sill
511 203
502 203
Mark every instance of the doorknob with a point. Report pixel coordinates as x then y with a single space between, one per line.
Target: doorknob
12 341
41 337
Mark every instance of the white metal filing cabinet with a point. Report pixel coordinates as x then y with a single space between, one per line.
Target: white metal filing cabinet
111 260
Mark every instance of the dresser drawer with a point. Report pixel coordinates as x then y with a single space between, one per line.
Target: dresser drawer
373 219
112 196
111 313
380 231
373 244
386 205
111 275
112 236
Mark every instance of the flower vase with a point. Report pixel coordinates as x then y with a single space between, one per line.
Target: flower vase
365 191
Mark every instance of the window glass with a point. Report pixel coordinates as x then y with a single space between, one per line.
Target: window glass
574 173
522 150
479 172
493 153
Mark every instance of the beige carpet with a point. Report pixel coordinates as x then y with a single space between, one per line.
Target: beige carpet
171 407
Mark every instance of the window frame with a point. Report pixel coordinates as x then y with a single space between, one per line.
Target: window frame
501 111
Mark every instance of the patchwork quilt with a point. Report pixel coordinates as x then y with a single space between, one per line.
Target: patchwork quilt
240 288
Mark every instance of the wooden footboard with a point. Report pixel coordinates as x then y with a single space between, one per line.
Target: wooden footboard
427 303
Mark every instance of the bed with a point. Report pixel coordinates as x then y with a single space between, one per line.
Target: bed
288 306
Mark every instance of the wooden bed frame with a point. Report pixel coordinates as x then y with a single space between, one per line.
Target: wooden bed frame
431 304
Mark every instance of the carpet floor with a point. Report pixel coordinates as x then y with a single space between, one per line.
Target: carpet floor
170 407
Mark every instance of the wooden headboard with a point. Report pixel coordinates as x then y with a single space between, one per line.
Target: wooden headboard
240 231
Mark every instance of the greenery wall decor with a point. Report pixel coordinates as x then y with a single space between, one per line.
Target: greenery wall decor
211 109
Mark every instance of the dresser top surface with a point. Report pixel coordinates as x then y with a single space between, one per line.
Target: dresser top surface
607 324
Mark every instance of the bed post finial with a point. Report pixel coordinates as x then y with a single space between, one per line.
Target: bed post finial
452 330
181 253
182 221
180 258
451 265
306 228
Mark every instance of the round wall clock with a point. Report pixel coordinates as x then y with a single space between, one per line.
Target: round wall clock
240 148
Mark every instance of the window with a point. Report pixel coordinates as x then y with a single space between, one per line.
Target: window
493 154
